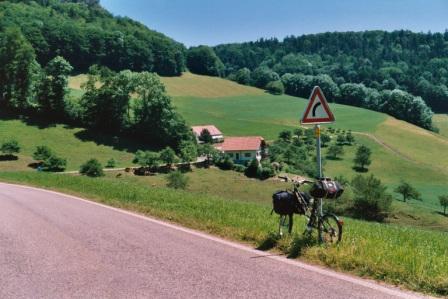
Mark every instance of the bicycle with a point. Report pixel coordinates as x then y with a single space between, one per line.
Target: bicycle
328 225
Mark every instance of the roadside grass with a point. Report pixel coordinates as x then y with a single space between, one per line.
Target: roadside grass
441 122
75 144
405 256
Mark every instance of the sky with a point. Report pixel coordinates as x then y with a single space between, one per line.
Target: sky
212 22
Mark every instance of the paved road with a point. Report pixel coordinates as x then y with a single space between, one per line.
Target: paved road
56 246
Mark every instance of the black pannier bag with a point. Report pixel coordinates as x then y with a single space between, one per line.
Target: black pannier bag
286 203
326 188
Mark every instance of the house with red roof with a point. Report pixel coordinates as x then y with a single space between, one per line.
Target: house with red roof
216 134
242 149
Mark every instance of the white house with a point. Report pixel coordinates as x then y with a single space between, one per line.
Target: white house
242 149
216 134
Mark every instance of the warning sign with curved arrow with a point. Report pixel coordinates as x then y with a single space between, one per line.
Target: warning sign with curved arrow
317 111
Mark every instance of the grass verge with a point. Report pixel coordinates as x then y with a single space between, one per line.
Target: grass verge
406 256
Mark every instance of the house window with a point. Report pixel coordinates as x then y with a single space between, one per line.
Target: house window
247 155
230 155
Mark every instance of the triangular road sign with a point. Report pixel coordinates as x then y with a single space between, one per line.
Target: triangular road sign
318 111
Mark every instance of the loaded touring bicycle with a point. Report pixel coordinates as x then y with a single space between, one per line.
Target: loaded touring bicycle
287 203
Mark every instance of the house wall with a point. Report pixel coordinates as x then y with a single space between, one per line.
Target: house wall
243 155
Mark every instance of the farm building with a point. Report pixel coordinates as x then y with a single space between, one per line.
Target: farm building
216 134
242 149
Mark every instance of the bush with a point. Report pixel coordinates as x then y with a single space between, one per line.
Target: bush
177 180
253 169
225 163
371 202
10 147
275 87
239 168
42 153
54 163
266 172
111 163
92 168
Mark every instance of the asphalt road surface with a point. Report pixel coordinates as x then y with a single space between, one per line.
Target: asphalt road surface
57 246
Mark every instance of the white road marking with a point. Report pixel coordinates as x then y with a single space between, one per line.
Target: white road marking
357 281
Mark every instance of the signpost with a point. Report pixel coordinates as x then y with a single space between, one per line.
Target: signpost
317 112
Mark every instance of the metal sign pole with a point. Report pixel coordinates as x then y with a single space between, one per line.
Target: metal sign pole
319 162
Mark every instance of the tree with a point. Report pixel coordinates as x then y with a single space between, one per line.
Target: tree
42 153
275 87
17 68
10 147
407 191
362 157
177 180
285 136
208 151
203 60
188 151
168 156
92 168
443 199
54 163
243 76
335 151
371 201
324 139
261 76
111 163
349 138
146 159
340 139
53 88
253 169
205 136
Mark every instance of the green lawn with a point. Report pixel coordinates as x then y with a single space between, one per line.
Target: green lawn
406 256
74 144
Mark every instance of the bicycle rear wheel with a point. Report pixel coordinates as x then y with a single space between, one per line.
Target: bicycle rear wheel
285 224
330 229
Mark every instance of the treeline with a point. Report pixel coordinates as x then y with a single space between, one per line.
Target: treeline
415 63
119 103
85 34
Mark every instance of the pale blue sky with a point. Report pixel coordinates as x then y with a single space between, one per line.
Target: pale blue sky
212 22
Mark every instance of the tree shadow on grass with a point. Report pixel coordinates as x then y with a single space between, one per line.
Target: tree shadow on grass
116 142
333 158
360 169
441 214
8 158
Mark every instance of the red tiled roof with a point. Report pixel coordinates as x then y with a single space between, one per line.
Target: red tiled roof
251 143
212 129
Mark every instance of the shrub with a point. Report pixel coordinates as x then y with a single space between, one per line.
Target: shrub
10 147
148 158
177 180
362 157
275 87
267 171
92 168
111 163
225 163
54 163
42 153
335 151
239 168
407 191
168 156
371 202
253 169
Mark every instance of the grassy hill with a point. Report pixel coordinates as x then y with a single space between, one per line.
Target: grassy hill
441 122
401 151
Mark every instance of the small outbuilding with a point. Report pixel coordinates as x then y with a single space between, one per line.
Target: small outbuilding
216 134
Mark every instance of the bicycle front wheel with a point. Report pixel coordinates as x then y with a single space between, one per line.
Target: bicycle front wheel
330 229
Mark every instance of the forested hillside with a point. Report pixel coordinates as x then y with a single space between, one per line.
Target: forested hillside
356 68
84 34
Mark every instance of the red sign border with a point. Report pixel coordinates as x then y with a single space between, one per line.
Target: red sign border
317 92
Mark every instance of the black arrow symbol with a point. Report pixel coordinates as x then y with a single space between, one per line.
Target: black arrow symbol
315 108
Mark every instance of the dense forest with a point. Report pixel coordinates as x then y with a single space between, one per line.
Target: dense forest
85 34
357 68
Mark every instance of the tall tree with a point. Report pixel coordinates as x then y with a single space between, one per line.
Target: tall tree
203 60
17 68
53 88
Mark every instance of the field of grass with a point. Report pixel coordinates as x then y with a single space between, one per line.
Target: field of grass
406 256
441 122
75 144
